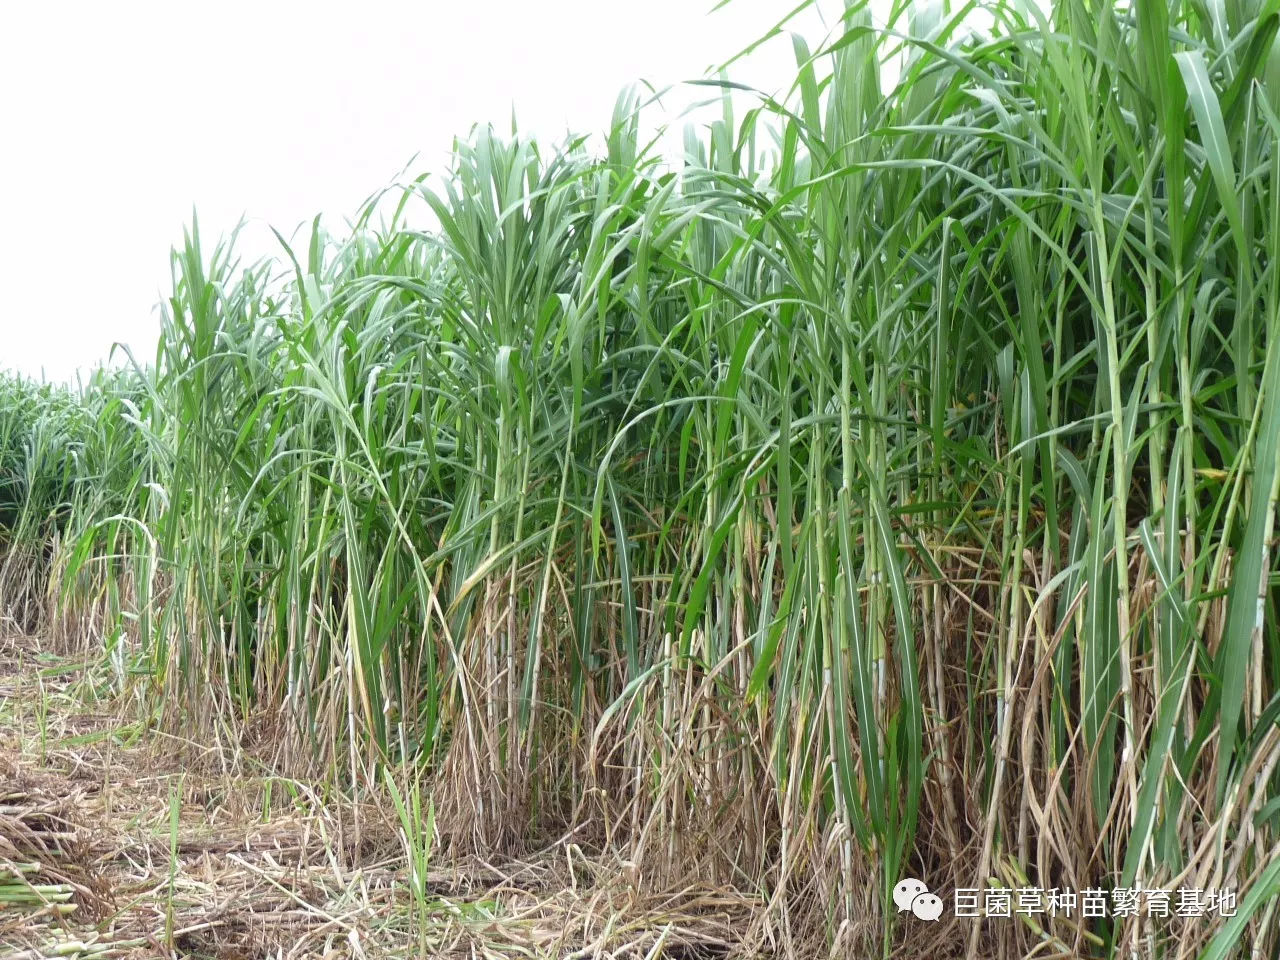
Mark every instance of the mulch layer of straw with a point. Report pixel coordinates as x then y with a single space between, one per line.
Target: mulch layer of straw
118 842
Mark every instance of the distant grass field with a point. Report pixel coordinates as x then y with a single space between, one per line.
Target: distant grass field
886 490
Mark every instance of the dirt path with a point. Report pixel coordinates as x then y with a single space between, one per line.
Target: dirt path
116 841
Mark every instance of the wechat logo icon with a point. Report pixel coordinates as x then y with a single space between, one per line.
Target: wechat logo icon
914 895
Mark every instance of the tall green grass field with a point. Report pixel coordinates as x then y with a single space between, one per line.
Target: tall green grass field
884 487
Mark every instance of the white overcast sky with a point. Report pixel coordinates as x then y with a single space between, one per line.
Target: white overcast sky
116 120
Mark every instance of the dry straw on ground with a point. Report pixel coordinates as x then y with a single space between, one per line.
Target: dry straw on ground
94 863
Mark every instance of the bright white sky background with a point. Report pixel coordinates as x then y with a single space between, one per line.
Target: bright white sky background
117 119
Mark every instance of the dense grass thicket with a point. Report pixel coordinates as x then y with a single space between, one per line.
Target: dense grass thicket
886 489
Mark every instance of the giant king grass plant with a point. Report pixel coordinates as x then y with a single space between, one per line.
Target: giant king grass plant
887 488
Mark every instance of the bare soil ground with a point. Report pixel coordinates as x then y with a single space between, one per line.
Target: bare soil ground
121 841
